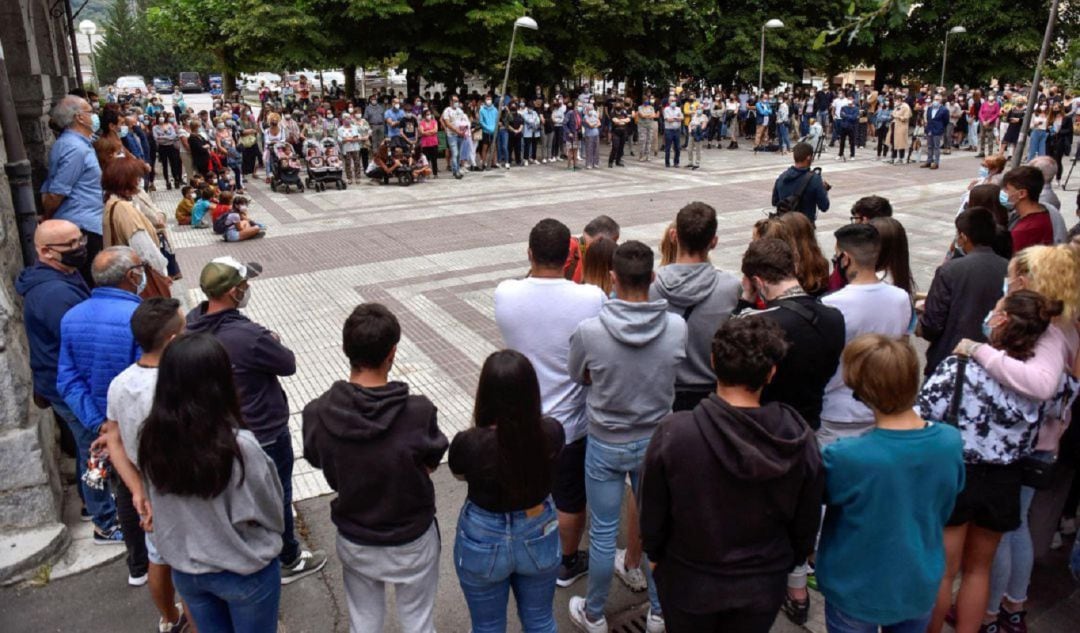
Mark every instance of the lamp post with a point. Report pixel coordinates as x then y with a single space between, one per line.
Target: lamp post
945 55
88 28
771 24
523 22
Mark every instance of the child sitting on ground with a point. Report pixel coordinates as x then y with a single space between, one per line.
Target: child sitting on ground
236 226
187 203
200 213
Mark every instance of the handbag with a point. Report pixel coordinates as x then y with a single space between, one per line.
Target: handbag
1036 473
157 285
952 414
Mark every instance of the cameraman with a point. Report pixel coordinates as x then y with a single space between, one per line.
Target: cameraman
815 193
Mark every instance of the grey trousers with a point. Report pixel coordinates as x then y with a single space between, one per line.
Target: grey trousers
413 570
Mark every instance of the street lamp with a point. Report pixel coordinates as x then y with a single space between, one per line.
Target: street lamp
771 24
88 28
524 22
945 56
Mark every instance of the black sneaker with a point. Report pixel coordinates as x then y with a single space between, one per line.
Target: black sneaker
797 611
568 575
111 536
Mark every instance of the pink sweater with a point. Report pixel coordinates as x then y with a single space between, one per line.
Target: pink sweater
989 111
1037 377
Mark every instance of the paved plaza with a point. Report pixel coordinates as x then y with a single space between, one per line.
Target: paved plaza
433 253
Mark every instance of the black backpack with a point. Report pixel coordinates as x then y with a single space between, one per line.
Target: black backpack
221 224
793 202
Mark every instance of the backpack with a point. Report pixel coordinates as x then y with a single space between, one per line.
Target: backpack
221 224
793 202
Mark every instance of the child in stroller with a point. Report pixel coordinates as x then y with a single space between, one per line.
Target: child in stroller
332 168
285 169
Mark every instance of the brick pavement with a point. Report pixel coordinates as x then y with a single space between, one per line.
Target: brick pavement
434 252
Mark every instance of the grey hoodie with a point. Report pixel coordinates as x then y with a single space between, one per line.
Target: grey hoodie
705 297
237 531
630 353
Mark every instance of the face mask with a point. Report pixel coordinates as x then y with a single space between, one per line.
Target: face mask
74 258
1005 287
95 122
984 172
142 284
487 102
221 126
987 329
242 303
838 266
1005 201
123 131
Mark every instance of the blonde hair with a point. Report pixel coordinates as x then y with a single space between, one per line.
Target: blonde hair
883 372
669 248
273 117
1054 272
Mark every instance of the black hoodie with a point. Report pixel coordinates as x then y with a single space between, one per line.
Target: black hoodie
730 503
376 447
258 358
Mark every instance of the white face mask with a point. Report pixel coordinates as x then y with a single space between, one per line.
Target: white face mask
245 299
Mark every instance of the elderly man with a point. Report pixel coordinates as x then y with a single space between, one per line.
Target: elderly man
72 190
96 344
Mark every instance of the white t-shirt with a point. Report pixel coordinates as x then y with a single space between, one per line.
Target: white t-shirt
879 308
536 317
131 394
838 104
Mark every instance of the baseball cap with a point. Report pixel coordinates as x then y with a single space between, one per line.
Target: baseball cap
223 274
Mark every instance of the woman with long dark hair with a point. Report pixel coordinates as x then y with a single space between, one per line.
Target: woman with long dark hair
216 498
811 267
894 260
507 533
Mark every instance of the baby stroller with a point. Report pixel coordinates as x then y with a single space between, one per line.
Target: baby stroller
333 168
285 170
316 163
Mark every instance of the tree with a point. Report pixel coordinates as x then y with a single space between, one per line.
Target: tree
131 45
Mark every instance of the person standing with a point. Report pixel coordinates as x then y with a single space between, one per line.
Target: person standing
96 344
349 137
847 125
799 182
620 122
590 137
937 122
698 132
375 115
628 356
72 190
672 125
429 139
869 306
964 289
454 122
374 421
258 359
898 139
507 531
646 122
719 570
700 294
1029 221
764 114
215 495
537 316
989 116
166 138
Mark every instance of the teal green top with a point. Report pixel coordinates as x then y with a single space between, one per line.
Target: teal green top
888 495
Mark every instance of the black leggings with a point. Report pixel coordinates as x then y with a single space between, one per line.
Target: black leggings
432 154
718 622
134 537
169 155
882 148
515 148
847 134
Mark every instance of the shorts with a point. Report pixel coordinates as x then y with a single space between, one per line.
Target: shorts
486 139
232 235
571 142
152 553
568 489
990 498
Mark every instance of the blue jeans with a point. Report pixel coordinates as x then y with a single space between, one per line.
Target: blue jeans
1037 144
1014 560
454 143
933 149
224 601
495 552
606 468
782 131
281 451
99 503
671 139
503 145
836 621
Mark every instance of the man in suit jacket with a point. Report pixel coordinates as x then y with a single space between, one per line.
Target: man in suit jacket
964 289
937 121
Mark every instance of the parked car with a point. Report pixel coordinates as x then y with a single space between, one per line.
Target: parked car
190 82
163 84
252 82
131 83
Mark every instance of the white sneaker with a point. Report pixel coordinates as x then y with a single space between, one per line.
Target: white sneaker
137 581
654 623
1056 542
581 621
633 578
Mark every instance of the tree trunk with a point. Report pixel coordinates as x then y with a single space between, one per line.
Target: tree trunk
350 81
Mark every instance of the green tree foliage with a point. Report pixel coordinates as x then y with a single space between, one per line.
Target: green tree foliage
132 46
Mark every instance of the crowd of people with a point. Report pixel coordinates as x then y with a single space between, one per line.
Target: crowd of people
773 422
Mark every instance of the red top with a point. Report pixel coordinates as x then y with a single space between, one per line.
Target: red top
220 210
1032 230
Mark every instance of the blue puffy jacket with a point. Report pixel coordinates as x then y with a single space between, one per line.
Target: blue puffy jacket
47 296
96 344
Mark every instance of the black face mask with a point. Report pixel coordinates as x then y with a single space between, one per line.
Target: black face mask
840 268
75 258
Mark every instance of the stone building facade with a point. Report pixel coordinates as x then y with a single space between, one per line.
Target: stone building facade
36 50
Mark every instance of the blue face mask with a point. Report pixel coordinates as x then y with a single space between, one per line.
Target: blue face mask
986 328
984 172
95 122
1005 287
1005 202
123 131
142 284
